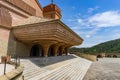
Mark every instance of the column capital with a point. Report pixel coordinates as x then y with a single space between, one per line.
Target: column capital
46 45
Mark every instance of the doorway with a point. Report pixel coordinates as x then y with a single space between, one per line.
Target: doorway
35 51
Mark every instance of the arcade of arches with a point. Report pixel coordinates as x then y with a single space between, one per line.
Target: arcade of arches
38 50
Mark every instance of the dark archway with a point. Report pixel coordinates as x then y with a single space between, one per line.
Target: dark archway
108 55
99 56
65 51
114 56
59 51
51 51
36 51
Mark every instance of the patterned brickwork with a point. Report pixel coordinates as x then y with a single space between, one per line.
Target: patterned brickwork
5 17
22 5
3 47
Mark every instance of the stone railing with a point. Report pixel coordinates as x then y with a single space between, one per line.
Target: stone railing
14 74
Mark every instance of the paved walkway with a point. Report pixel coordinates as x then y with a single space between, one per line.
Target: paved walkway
8 68
104 69
66 68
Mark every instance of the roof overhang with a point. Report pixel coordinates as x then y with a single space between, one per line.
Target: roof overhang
53 30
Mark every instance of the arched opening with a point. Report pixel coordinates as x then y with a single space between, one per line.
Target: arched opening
64 52
114 56
36 51
59 51
99 56
108 55
51 51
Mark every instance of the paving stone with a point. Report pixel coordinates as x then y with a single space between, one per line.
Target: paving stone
104 69
61 68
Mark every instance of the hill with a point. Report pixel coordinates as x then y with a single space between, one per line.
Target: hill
112 46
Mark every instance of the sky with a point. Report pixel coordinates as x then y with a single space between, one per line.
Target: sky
96 21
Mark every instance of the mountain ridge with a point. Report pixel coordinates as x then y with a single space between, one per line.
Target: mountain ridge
112 46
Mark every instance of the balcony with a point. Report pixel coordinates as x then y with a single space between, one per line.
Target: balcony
53 30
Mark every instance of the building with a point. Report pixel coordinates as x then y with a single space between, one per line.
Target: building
27 29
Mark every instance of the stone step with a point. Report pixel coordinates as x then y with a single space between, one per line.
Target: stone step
53 70
31 75
73 71
61 68
65 70
30 69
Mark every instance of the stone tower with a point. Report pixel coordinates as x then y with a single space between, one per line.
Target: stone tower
52 11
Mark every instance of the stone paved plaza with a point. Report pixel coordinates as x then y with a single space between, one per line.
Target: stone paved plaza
61 68
104 69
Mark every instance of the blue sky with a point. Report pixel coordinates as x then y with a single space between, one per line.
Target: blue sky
95 21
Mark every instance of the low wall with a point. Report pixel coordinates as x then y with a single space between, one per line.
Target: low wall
87 56
13 74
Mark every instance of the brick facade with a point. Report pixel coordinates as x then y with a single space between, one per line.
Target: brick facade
4 37
37 36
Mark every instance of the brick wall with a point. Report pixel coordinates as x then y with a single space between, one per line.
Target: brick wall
4 36
22 49
17 47
33 4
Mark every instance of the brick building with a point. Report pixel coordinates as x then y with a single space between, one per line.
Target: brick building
27 29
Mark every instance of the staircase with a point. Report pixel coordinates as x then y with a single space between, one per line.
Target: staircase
72 71
30 69
56 68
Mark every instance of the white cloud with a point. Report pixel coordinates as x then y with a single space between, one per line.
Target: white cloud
99 20
105 19
116 35
80 20
90 10
87 36
88 27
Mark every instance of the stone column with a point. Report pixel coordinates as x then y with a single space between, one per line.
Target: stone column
67 50
62 48
46 45
45 49
56 47
56 50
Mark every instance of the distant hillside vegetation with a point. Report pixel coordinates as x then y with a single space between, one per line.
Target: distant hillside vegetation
112 46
